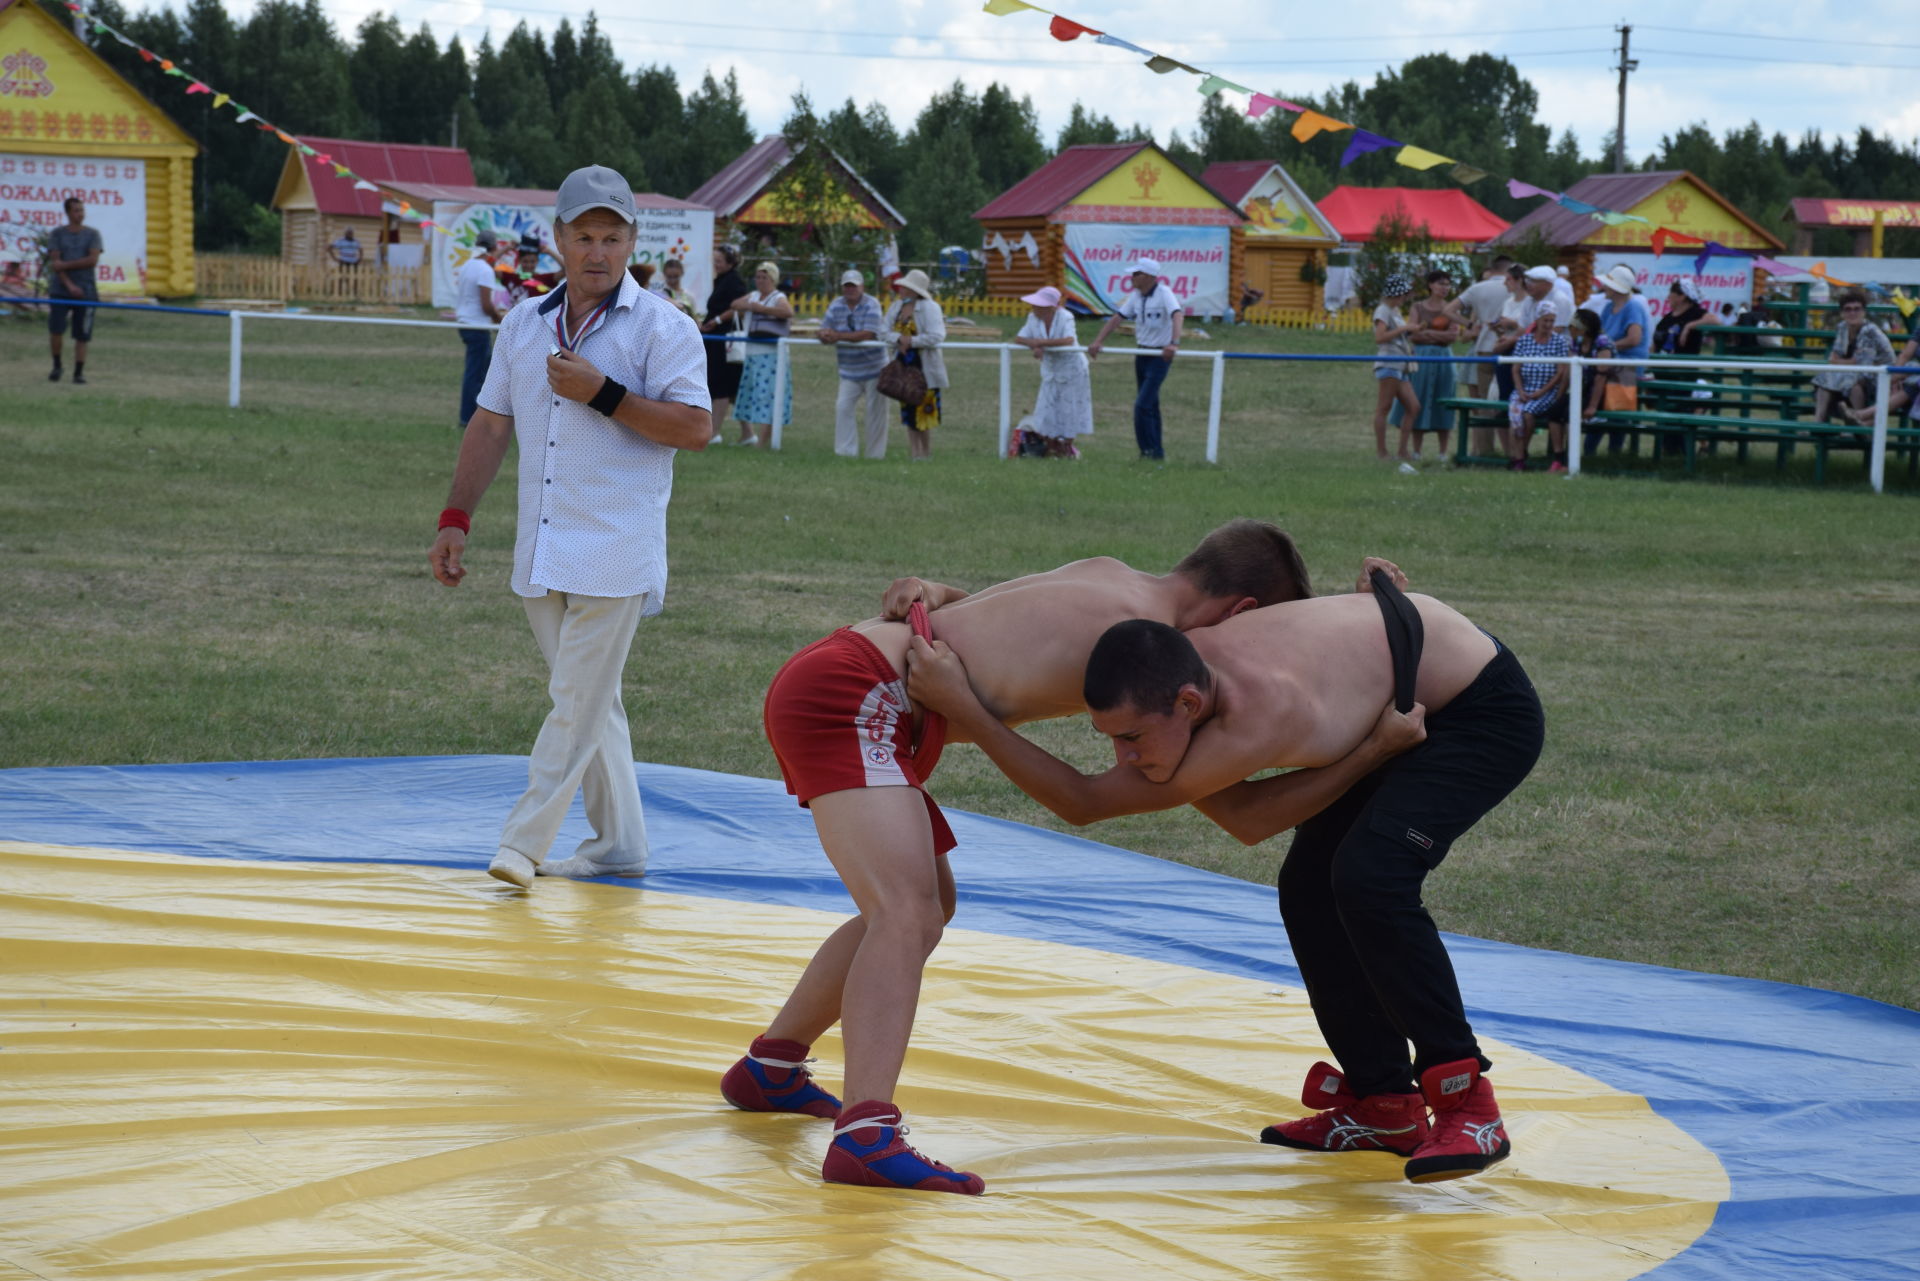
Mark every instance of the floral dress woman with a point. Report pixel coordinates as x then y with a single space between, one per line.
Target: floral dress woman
1064 407
916 328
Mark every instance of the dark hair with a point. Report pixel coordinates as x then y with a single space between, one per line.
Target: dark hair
1248 558
1517 272
1500 258
1850 296
673 262
1438 274
70 202
1589 322
731 253
1144 665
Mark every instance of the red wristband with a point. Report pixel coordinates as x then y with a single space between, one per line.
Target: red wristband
457 519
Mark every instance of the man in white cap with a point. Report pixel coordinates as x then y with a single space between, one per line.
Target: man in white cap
601 382
855 317
1157 322
1544 284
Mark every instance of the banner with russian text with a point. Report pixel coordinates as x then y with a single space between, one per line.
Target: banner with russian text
1193 262
33 195
660 234
1726 280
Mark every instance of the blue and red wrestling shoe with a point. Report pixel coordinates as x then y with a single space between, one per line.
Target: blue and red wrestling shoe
1468 1135
870 1149
773 1077
1394 1123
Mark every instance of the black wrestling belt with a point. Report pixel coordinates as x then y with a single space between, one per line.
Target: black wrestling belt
1406 635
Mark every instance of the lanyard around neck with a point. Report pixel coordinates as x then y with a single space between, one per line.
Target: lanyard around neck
586 326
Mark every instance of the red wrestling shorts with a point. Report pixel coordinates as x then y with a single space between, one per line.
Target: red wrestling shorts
836 716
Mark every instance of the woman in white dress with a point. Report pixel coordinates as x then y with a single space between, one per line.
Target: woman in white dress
1064 407
770 316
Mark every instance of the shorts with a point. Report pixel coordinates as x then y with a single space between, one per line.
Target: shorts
79 319
836 716
1389 371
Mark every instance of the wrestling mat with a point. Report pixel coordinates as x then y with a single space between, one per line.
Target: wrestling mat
273 1021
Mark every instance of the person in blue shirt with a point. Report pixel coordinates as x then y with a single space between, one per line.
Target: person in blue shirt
1625 322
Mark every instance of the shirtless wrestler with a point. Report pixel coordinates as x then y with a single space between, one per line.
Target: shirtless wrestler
1301 686
857 753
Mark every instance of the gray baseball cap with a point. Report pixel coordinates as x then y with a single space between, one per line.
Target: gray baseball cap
595 187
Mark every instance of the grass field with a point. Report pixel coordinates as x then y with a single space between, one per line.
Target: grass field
1728 663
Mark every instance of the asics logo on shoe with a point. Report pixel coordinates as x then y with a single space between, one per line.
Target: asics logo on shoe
1455 1084
1347 1134
1487 1137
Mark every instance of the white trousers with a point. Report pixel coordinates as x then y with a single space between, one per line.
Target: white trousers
584 744
846 437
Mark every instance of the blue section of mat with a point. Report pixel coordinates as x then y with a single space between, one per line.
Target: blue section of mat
1810 1099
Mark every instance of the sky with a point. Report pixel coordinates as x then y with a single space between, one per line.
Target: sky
1793 65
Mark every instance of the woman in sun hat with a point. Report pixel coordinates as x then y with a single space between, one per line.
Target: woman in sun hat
915 327
1064 407
1393 345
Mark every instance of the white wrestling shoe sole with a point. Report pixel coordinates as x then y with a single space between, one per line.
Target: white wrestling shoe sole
581 868
513 868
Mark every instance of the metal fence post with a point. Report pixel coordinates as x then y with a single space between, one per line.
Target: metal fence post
1006 396
1575 399
1877 464
1213 406
780 375
233 360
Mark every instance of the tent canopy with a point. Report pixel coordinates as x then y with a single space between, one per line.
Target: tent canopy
1448 215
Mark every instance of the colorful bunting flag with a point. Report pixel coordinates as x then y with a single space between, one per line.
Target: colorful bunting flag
1362 143
1117 43
146 56
1773 266
1214 84
1521 190
166 64
1001 8
219 99
1067 29
1578 206
197 87
340 170
1420 158
1906 305
1262 104
361 184
1662 235
245 116
1160 64
1311 123
1614 218
1466 175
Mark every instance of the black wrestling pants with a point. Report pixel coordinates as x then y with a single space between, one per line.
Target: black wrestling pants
1372 959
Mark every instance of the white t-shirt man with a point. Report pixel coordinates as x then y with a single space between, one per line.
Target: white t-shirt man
1482 304
1152 315
475 275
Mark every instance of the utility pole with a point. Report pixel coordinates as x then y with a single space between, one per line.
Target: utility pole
1620 126
453 126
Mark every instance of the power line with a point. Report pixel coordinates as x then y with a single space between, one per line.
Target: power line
1795 62
1742 35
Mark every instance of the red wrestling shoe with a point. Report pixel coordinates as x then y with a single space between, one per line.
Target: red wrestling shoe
870 1149
773 1077
1468 1135
1394 1123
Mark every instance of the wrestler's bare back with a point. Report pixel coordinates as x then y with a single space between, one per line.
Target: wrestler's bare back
1301 684
1025 642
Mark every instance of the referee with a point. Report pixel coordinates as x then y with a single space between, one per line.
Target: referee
600 381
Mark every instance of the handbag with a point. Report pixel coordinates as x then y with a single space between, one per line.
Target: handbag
737 351
1621 398
902 382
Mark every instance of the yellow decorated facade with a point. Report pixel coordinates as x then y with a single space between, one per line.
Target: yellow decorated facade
69 124
1688 206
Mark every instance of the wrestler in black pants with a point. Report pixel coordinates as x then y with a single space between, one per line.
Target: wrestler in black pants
1375 969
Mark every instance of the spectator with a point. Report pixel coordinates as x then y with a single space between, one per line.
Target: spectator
524 278
1249 296
1589 339
642 273
1856 341
1508 328
1627 324
1538 387
1476 310
1544 284
1158 323
345 250
854 317
1391 336
474 307
1064 408
915 327
769 318
601 384
1432 379
1678 333
672 271
1904 395
73 254
723 375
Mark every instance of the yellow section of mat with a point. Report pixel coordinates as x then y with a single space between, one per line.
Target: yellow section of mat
222 1069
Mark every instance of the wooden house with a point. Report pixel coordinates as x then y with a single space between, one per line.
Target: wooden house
1287 238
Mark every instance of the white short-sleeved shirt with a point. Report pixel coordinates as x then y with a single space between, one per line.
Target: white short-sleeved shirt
593 494
475 274
1562 299
1482 302
1152 315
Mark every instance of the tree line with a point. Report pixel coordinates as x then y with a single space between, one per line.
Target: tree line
540 104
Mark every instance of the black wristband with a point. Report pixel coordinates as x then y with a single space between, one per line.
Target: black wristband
608 398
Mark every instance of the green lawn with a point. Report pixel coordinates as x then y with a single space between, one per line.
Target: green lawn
1728 663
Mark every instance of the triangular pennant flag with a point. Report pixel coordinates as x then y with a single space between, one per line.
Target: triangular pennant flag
361 184
1613 217
1312 122
1262 104
1578 206
1001 8
1118 43
1214 84
100 29
1067 29
341 171
244 116
1466 175
1715 249
1521 190
219 99
1773 266
1904 303
1160 64
197 87
1421 158
1662 235
166 64
305 150
321 157
284 136
1362 143
146 55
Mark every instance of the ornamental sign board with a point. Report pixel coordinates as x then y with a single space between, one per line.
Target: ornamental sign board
33 194
24 75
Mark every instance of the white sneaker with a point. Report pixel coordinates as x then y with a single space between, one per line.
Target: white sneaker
514 868
579 868
1408 469
751 440
718 439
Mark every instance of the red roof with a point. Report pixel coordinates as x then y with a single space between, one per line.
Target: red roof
1449 214
1811 212
389 162
428 193
1059 180
1235 178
